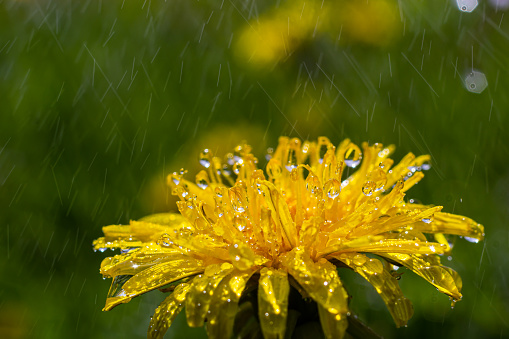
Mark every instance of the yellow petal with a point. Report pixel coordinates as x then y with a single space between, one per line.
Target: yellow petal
200 295
445 279
320 280
453 224
243 257
393 223
280 212
167 311
333 325
136 260
147 230
151 278
385 284
383 245
224 304
273 291
172 220
101 244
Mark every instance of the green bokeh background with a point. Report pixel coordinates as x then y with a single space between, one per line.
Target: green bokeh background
99 100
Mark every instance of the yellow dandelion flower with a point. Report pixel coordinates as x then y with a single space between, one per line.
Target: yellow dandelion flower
293 228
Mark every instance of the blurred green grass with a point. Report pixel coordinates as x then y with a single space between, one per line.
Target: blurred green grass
100 100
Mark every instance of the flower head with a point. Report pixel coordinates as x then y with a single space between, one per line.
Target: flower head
241 231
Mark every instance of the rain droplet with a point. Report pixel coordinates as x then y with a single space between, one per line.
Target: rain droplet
236 167
202 180
359 260
274 169
229 159
353 156
323 146
291 162
368 188
237 153
240 223
313 184
205 156
425 166
164 240
333 188
270 152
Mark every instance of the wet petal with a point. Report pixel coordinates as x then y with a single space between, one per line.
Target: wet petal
445 279
154 277
273 291
167 311
135 261
243 257
453 224
200 295
393 223
333 325
224 304
147 230
382 245
320 280
280 212
385 284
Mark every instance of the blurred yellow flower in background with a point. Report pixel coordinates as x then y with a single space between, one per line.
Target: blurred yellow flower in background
242 231
277 34
280 32
373 22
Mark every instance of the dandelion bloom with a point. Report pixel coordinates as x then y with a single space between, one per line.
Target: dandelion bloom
293 228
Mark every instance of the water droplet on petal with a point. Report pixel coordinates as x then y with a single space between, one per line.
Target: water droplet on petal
274 169
164 240
333 188
205 157
291 162
368 188
353 156
427 220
